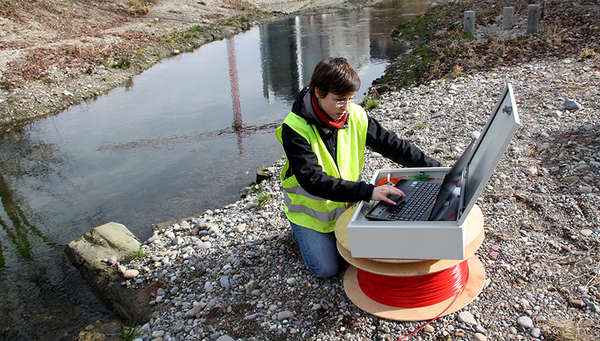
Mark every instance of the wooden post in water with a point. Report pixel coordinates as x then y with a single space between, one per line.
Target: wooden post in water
470 23
507 17
533 18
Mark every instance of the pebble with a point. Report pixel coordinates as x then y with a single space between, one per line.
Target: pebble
203 245
225 338
195 310
158 333
130 273
572 105
525 322
285 315
112 260
524 303
571 179
178 327
144 329
225 282
241 228
467 317
480 337
577 303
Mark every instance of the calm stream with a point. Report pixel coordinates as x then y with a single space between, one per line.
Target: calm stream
185 136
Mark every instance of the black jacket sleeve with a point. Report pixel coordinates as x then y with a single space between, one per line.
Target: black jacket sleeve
304 163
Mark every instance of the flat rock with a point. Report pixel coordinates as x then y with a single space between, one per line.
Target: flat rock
103 242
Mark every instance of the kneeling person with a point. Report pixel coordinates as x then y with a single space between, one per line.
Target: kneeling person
324 137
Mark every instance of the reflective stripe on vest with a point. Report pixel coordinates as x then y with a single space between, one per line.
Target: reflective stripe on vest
300 193
312 211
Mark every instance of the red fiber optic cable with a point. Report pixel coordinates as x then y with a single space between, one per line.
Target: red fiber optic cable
435 318
395 180
417 291
385 180
414 291
452 216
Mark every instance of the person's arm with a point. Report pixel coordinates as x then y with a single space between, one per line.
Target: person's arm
388 144
304 164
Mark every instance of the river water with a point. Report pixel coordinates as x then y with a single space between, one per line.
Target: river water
185 136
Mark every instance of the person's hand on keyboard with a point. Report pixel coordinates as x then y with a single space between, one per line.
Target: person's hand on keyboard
383 193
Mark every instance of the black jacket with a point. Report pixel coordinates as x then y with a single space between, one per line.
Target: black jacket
310 175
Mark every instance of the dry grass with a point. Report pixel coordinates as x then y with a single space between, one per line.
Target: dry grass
587 53
139 7
570 330
457 71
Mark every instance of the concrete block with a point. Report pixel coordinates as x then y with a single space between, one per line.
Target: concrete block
87 253
507 17
533 18
469 23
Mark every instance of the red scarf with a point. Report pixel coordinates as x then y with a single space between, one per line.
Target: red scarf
326 119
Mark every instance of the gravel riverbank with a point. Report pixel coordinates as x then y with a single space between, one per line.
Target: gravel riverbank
235 274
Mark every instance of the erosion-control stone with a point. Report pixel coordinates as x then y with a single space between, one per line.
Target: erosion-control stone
89 253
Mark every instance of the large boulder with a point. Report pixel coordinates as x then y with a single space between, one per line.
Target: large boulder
96 255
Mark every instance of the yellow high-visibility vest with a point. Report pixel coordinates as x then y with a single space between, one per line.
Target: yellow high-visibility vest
310 210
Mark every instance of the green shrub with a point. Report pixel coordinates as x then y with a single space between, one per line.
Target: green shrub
369 103
129 332
123 63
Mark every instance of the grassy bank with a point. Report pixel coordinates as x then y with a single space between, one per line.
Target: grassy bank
441 49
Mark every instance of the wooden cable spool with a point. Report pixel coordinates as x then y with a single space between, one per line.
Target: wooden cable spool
474 235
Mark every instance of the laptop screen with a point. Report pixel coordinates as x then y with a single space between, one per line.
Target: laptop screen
452 180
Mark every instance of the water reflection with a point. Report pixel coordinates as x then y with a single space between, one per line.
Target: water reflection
291 48
235 92
37 284
238 130
181 138
37 160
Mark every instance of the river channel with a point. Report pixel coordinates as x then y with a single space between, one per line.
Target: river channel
185 136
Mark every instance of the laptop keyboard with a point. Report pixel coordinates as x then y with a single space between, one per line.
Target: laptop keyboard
416 202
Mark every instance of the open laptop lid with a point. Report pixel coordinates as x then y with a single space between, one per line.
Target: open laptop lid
452 180
489 148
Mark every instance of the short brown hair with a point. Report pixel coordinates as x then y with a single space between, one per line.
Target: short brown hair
334 75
